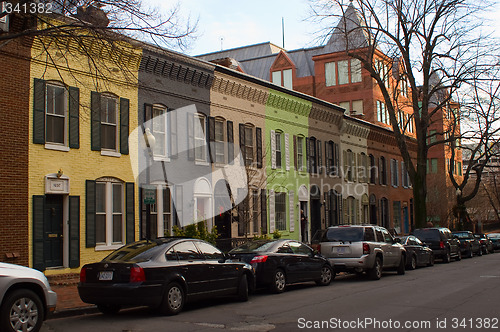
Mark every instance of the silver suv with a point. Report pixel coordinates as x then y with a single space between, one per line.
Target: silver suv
25 298
360 248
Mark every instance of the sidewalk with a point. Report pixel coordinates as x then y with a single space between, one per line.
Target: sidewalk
68 300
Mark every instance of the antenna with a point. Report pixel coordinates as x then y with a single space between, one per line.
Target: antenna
283 30
221 40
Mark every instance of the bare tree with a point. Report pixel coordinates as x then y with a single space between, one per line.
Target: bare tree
434 47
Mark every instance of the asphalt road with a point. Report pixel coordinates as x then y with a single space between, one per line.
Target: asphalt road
459 296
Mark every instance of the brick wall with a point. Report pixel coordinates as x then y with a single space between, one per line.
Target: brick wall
14 87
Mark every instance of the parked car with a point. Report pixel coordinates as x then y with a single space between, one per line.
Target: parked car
417 253
495 239
25 298
469 244
486 243
360 248
441 241
278 263
164 274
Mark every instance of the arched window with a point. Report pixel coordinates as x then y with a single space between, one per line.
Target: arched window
373 169
383 171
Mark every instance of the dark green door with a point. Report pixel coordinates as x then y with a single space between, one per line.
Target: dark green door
53 231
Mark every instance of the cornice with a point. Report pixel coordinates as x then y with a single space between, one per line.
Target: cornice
288 104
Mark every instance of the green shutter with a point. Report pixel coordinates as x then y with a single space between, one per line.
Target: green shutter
130 212
124 125
95 118
39 111
74 231
74 118
90 211
38 232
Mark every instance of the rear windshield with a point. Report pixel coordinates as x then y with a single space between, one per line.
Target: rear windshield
343 234
135 252
427 234
254 246
462 235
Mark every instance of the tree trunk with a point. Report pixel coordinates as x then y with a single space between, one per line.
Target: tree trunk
419 195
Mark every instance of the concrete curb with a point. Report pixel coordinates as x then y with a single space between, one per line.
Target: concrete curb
73 312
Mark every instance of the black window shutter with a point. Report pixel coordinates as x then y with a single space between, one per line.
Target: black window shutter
258 140
39 111
336 157
124 125
328 157
38 232
74 231
242 143
95 116
263 211
230 142
320 158
130 211
211 138
90 202
74 117
148 113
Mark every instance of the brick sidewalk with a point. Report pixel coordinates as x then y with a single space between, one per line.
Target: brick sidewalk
67 293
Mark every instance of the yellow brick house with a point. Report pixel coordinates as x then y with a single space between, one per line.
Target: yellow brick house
82 190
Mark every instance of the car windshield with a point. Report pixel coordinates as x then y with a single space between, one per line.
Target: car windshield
427 234
254 246
344 234
494 236
403 239
135 252
462 235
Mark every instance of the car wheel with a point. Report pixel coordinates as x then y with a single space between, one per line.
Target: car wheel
327 276
459 255
108 309
485 251
447 256
279 281
401 267
470 253
22 311
431 260
480 252
375 273
173 300
413 263
243 289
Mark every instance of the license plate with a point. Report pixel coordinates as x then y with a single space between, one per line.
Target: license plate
106 275
342 250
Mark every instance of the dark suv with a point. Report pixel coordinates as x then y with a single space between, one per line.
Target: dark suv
441 241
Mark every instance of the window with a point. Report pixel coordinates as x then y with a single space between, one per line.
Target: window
219 141
56 106
331 163
312 155
383 171
280 211
209 251
343 68
394 173
384 212
460 168
330 77
278 149
396 215
434 165
363 168
382 114
109 213
347 106
199 138
109 123
287 79
355 70
350 212
160 131
405 177
276 77
186 251
248 146
300 153
404 87
357 107
373 169
350 165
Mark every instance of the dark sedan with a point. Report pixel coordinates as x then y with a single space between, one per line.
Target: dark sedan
469 245
417 253
163 274
486 243
495 239
281 262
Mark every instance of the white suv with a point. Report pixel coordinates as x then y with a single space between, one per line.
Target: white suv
360 248
25 298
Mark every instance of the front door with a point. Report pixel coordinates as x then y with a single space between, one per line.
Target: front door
315 216
406 220
53 231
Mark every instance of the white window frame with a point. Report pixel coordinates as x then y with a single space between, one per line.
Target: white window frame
356 71
220 142
300 153
116 124
276 77
278 150
109 244
249 145
280 215
200 122
166 142
343 67
330 74
65 116
288 79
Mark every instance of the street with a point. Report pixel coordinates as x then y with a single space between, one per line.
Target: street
460 295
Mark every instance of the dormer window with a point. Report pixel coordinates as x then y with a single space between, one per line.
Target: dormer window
283 78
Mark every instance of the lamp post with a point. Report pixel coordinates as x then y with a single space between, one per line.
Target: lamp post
150 141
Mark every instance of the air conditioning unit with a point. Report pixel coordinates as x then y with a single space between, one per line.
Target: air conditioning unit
4 18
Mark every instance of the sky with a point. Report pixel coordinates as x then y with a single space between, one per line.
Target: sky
227 24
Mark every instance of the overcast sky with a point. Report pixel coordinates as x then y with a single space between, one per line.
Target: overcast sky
227 24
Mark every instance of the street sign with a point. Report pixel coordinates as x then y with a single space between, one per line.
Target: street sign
149 196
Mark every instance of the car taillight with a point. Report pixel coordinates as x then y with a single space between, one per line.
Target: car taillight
366 249
259 259
441 244
483 241
83 274
137 274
